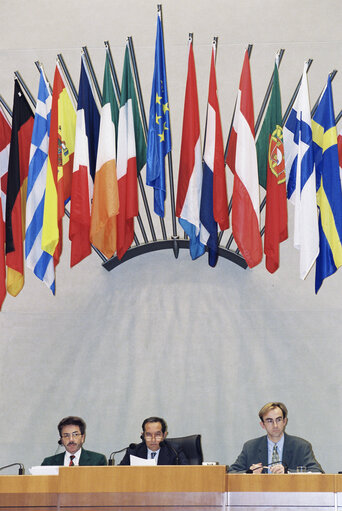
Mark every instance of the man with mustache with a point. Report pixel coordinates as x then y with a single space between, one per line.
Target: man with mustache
72 437
154 445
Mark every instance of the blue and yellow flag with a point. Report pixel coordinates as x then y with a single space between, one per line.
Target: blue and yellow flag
328 184
159 135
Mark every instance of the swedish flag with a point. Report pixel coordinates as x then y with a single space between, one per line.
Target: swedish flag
328 184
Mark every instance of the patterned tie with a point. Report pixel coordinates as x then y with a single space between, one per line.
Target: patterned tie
275 455
153 455
71 464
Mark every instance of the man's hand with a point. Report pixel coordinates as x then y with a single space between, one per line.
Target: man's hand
256 468
277 469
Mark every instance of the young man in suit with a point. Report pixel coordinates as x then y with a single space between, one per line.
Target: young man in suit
276 452
155 446
72 437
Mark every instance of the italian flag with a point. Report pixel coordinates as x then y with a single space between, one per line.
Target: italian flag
126 163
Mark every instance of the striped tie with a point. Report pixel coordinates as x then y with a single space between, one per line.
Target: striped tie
153 455
275 455
71 464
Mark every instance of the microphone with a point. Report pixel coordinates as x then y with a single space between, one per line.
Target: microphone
251 470
21 470
171 448
111 460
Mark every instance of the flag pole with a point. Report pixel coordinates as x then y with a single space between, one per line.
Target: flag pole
174 236
67 76
26 89
338 117
267 95
214 45
143 118
332 76
112 68
92 73
5 105
295 94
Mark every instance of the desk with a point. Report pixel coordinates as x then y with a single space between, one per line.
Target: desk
169 488
288 492
172 488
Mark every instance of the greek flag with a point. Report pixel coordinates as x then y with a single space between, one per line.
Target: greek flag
40 262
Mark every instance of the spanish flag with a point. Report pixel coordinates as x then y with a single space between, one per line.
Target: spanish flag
60 164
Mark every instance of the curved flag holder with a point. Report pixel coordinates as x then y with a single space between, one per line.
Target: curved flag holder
169 244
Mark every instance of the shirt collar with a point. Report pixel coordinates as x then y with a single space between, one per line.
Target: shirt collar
76 460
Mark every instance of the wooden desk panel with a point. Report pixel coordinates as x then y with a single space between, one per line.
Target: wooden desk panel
280 482
185 478
164 488
288 492
28 492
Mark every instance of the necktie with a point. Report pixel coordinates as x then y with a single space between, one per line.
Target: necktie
275 454
153 455
71 464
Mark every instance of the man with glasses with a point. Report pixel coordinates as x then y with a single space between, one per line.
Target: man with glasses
155 446
277 452
72 437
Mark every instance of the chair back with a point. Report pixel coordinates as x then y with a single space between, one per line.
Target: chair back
191 446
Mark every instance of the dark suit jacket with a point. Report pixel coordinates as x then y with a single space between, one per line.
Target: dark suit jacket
166 455
87 458
296 452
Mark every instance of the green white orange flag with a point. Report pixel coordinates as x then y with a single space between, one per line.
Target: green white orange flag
60 164
105 206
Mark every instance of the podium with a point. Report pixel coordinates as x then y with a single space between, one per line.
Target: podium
172 488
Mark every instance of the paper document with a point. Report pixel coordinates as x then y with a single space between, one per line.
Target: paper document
46 470
139 462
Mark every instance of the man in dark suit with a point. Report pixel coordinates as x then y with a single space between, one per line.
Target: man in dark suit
72 437
155 446
276 452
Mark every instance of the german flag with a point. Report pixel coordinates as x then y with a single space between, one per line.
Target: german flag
22 126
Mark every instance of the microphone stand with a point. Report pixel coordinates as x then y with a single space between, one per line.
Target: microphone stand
21 470
172 449
111 460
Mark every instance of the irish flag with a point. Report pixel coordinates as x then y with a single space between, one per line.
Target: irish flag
105 205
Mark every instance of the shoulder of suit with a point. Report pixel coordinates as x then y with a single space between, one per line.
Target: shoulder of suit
295 439
92 453
50 460
255 441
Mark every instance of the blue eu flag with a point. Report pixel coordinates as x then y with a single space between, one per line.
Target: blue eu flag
159 135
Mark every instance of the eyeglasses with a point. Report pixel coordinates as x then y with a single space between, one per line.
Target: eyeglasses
278 420
157 436
73 435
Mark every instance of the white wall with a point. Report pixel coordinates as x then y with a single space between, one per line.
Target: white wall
205 348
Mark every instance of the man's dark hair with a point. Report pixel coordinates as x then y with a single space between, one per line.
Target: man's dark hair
155 419
72 420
